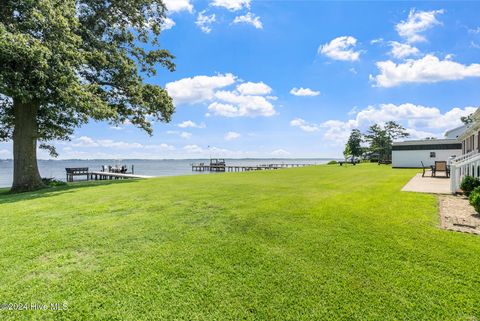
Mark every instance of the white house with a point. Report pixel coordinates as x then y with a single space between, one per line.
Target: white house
468 162
412 153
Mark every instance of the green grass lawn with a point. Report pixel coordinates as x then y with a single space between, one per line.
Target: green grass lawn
324 242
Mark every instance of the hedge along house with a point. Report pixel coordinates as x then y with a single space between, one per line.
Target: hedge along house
468 163
411 154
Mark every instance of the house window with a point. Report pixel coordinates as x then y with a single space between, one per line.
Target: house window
432 155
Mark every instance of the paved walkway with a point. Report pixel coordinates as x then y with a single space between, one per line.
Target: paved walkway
428 184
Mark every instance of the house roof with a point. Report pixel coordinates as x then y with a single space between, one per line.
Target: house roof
426 142
459 128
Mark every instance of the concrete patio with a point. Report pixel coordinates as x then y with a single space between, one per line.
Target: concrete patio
428 184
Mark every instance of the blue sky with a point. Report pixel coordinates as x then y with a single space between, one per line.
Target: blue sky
292 78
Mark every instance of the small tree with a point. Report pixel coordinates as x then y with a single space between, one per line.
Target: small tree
64 62
353 146
467 120
381 138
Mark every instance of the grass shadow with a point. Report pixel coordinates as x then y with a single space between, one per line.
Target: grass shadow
7 197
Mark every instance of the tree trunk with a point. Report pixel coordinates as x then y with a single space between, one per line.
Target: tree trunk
26 176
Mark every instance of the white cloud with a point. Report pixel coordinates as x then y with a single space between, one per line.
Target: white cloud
249 18
304 92
4 153
280 152
246 101
160 147
191 124
303 125
178 5
416 23
428 69
420 121
117 127
204 22
337 131
84 141
168 23
193 149
109 143
375 41
199 88
232 5
231 136
474 31
254 88
402 50
185 135
341 48
236 105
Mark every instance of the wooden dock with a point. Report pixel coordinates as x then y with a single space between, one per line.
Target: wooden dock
100 175
241 168
107 175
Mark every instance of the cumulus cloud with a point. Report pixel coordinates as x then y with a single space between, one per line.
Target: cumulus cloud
247 100
168 23
416 23
428 69
204 21
191 124
420 121
232 136
232 5
250 19
304 125
236 105
402 50
254 88
84 141
193 149
178 5
304 92
341 48
280 152
199 88
185 135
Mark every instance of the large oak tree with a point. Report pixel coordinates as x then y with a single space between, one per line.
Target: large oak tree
64 62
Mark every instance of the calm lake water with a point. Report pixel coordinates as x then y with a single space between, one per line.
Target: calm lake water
163 167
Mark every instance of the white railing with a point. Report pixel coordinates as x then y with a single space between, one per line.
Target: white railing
467 164
465 157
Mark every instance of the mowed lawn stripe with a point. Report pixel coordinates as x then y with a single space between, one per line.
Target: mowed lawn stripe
323 242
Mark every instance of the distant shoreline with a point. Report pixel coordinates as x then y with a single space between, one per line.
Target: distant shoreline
179 159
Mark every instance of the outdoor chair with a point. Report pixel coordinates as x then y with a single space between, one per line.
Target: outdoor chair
441 166
424 168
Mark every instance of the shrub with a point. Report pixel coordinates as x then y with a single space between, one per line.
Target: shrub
53 182
468 184
474 199
332 162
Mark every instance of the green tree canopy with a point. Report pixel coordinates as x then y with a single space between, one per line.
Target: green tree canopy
64 62
353 146
381 138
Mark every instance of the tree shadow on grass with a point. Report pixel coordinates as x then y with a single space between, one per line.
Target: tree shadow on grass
7 197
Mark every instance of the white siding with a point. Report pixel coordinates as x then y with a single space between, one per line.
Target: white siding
412 158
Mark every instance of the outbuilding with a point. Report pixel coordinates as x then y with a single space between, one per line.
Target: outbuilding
412 153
